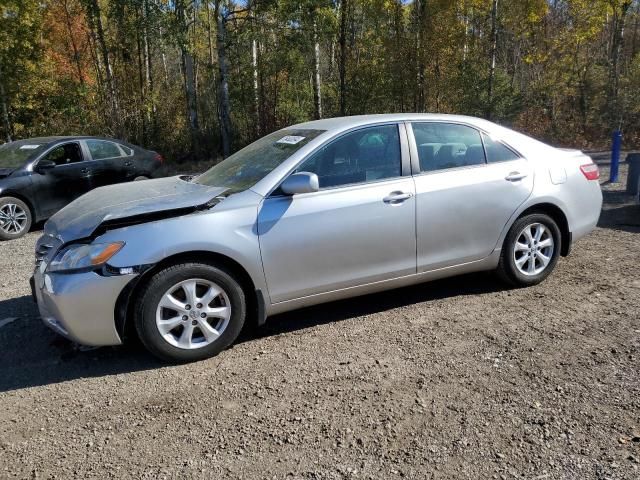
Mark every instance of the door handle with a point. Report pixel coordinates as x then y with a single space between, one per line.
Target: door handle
395 198
84 170
515 176
128 164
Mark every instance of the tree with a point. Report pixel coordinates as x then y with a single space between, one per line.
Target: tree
202 78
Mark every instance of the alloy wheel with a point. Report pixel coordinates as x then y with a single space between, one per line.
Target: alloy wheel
13 219
533 249
193 313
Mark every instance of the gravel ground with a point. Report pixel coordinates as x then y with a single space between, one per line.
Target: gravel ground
459 378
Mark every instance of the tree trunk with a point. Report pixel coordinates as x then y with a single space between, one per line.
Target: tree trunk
104 51
617 42
398 28
420 103
190 93
72 40
148 69
5 109
209 34
256 89
225 106
492 58
257 128
344 6
95 58
188 74
141 86
465 45
317 94
634 42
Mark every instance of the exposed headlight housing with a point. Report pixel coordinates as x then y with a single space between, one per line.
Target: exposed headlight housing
84 256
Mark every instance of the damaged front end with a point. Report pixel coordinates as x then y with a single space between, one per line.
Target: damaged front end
122 205
81 226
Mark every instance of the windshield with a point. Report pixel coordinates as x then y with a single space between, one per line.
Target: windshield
16 154
248 166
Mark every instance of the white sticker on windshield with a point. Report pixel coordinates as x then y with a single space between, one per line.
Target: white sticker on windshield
290 139
28 147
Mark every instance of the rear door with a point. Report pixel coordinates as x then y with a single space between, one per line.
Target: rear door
359 228
131 162
110 161
463 201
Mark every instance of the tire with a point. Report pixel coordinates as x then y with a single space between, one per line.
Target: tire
182 338
15 218
526 266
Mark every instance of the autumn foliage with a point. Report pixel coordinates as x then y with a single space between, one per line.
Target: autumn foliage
199 78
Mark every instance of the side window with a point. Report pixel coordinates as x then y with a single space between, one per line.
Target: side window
101 149
365 155
447 145
64 154
497 152
127 151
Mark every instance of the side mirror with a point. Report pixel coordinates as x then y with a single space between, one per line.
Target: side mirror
301 182
44 165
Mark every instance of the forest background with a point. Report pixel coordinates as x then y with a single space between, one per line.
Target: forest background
198 79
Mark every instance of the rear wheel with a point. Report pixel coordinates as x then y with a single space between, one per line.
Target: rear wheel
190 312
15 218
530 251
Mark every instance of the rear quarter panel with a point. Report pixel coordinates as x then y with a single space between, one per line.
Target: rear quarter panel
559 181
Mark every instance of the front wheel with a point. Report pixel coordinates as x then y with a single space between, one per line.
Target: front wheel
190 312
530 251
15 218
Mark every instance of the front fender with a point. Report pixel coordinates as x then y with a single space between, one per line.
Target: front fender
231 232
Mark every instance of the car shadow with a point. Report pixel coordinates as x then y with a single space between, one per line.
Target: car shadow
470 284
32 355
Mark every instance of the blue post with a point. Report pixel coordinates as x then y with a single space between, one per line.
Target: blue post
616 144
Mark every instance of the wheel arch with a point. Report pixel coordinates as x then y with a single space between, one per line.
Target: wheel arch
130 294
558 216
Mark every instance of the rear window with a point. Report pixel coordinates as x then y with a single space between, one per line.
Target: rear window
498 152
128 151
447 145
101 149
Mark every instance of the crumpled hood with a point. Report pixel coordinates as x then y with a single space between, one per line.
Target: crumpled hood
84 215
5 172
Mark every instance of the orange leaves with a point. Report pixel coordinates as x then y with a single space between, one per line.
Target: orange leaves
67 40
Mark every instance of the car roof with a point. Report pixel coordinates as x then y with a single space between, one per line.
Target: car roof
524 144
63 138
341 123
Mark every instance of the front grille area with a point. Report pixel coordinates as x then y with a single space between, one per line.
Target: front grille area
46 247
42 252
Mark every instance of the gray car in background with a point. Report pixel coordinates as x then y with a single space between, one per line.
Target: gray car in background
315 212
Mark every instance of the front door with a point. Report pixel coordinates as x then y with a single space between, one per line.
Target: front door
359 228
70 178
467 188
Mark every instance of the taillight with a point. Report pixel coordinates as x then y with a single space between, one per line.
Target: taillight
590 171
159 158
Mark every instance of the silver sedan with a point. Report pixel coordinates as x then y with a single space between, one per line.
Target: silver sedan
312 213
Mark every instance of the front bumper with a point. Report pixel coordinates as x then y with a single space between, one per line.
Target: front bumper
80 306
